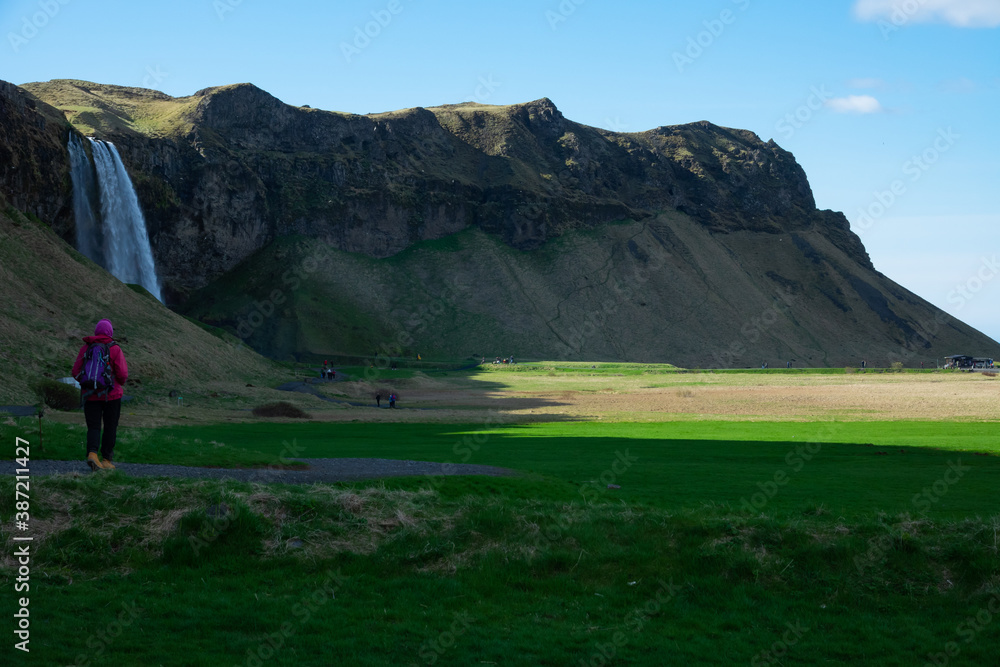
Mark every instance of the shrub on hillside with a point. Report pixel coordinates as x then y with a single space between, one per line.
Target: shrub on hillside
280 409
57 395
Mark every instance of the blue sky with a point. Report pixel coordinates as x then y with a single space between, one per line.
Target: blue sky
889 105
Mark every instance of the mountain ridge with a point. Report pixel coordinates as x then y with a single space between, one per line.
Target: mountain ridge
722 221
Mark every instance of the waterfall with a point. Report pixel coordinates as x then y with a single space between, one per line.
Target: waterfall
123 243
88 231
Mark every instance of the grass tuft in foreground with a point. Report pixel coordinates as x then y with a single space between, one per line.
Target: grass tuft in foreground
374 574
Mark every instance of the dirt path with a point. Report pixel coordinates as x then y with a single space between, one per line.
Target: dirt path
319 470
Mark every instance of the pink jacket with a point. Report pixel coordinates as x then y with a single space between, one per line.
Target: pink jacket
102 334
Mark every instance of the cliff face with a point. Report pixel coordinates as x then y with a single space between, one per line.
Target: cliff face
226 171
34 164
311 232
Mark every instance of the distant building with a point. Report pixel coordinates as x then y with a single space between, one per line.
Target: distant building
965 361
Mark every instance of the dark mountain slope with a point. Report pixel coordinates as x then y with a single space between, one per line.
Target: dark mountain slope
542 219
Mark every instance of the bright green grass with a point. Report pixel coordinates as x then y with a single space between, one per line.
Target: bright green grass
515 581
685 464
797 466
547 568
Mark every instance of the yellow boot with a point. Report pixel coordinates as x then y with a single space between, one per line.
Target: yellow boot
94 462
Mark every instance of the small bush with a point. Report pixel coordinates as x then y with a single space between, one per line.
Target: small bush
280 409
897 366
57 395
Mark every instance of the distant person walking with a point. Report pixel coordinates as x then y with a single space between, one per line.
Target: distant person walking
101 370
378 400
392 400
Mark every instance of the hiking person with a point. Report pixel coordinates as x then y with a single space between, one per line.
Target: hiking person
378 400
101 370
392 400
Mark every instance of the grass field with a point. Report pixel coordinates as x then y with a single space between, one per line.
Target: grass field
748 518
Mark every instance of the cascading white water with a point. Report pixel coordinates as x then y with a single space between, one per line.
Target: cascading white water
88 230
126 249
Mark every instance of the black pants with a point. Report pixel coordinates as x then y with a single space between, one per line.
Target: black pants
109 412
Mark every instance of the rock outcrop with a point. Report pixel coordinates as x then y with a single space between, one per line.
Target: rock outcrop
226 171
544 221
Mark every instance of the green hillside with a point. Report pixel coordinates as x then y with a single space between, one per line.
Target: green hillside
664 290
51 296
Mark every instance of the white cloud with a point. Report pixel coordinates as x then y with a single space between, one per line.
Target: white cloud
854 104
958 13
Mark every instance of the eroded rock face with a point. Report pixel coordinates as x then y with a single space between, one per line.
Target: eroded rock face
34 161
695 244
240 168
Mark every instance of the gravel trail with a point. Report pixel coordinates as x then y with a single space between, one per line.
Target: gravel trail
320 470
